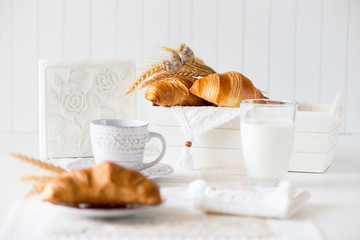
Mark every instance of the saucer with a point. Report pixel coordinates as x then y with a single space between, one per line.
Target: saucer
155 171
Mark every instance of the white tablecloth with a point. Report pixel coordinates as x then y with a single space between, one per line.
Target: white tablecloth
175 219
334 206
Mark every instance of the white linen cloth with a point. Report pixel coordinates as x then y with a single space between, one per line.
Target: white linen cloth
175 219
195 121
279 202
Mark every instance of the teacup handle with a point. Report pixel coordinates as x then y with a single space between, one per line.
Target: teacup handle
163 149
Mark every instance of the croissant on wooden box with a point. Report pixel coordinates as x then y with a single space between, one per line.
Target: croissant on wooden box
226 90
103 184
173 91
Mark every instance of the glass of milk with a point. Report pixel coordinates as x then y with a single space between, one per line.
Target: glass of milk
267 134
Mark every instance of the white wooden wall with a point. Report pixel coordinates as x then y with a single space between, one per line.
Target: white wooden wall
297 49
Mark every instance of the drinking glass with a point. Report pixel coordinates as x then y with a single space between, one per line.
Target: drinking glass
267 134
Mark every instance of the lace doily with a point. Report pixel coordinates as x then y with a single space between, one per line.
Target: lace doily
195 121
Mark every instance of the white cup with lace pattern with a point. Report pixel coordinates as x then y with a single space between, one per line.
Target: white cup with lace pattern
123 142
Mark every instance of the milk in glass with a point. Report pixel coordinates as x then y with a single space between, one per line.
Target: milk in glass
267 146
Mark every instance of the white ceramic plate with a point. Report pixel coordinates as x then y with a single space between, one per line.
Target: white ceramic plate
103 212
156 171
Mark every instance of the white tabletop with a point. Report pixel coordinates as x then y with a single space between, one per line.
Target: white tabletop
335 195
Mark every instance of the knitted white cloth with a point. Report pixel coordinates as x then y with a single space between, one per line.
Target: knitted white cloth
195 121
281 202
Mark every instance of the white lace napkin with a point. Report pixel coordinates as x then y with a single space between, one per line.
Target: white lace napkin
280 202
195 121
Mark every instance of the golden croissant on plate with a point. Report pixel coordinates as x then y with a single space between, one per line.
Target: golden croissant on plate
173 91
226 90
103 184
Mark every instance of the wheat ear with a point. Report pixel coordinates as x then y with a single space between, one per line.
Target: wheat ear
170 50
181 73
201 67
199 60
195 72
36 189
199 64
38 179
38 163
189 58
175 75
155 68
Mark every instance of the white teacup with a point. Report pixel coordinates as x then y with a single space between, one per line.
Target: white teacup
123 142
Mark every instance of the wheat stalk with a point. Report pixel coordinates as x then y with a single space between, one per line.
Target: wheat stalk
201 67
182 63
36 189
170 50
155 68
172 75
187 69
189 58
182 73
38 163
199 60
41 179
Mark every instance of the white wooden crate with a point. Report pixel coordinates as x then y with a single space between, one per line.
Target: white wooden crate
317 128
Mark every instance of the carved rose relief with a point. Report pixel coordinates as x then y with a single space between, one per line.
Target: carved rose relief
73 103
105 81
78 95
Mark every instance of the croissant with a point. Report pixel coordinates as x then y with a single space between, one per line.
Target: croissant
102 185
173 91
226 89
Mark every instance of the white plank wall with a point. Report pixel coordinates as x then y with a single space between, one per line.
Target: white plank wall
175 21
24 65
51 29
186 19
129 23
230 36
305 50
257 42
103 29
352 122
282 48
334 49
205 30
155 29
77 29
6 102
308 50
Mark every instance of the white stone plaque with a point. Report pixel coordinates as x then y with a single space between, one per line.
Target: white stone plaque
72 94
